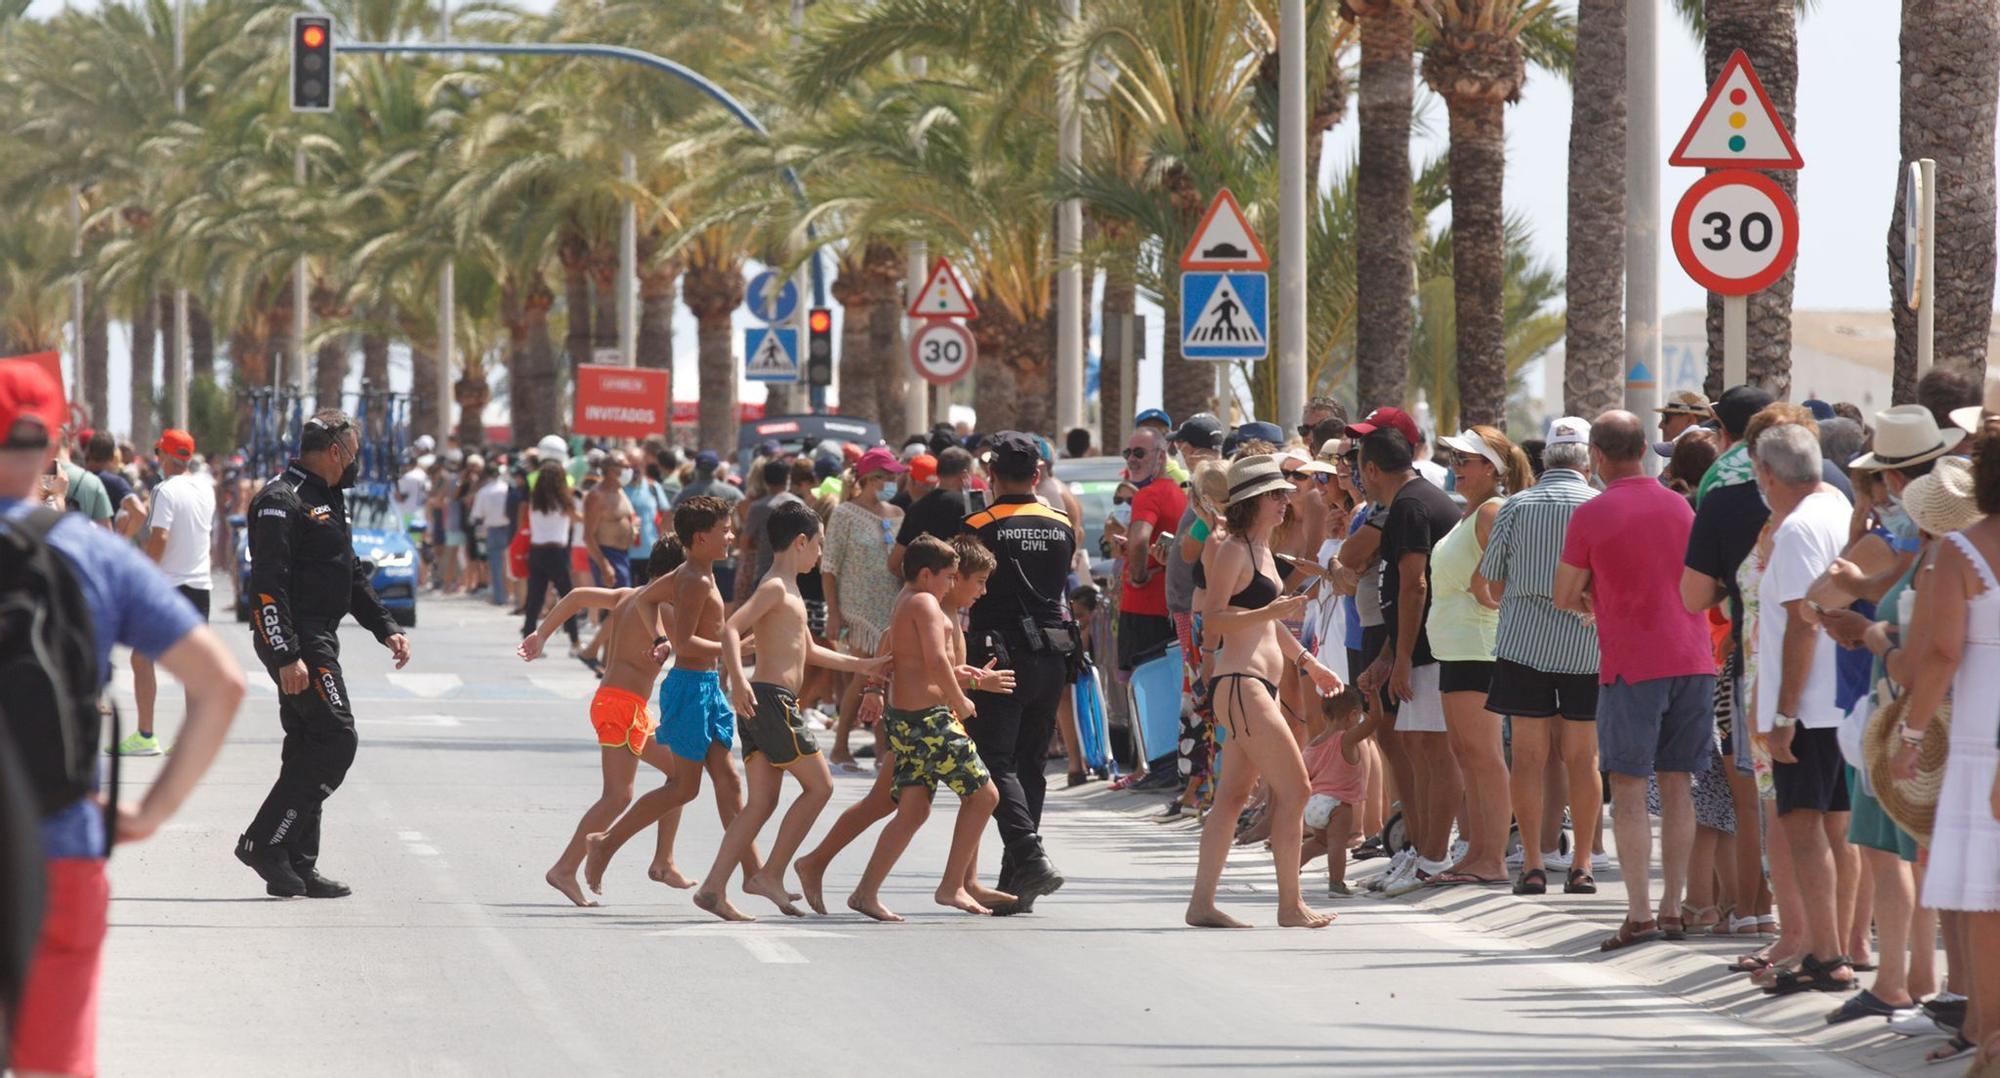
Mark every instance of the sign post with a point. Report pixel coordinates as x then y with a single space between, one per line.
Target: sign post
942 350
1919 254
1225 293
1736 232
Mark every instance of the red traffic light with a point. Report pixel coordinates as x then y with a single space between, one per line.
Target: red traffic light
313 37
820 320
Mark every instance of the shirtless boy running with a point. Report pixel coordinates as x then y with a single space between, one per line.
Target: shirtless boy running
618 711
975 564
775 737
697 724
924 724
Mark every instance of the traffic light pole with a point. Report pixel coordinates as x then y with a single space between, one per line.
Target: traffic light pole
616 52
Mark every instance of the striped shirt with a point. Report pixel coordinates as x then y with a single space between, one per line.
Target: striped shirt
1522 554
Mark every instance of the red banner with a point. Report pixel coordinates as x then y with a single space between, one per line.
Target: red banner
620 402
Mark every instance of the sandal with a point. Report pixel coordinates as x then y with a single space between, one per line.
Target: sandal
1579 882
1533 881
1630 933
1704 921
1741 926
1949 1050
1673 928
1751 963
1454 879
1767 924
1812 975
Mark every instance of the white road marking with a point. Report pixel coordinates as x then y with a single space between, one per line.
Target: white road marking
428 686
764 940
577 688
416 720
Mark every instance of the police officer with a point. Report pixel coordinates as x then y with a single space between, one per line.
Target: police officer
1022 621
303 580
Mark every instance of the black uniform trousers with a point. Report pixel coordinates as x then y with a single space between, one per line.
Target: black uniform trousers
319 747
1012 734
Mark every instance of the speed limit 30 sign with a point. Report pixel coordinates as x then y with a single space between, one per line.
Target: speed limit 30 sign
942 351
1736 232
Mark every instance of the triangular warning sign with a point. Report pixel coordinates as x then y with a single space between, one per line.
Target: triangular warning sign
1223 320
1737 127
771 357
943 295
1224 240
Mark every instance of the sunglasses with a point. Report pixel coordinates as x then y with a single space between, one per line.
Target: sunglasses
1137 454
1322 478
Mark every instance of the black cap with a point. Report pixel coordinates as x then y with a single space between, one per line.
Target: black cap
1738 405
1014 453
1201 430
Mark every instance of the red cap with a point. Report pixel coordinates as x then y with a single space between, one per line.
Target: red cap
27 393
178 444
923 468
1392 418
850 452
878 459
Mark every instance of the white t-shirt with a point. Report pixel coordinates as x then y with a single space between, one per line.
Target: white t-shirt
1805 544
489 506
184 505
1325 611
411 492
1434 472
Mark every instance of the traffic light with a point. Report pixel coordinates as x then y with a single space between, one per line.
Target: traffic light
819 346
312 63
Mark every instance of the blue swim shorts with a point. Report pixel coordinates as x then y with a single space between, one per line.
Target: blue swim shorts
694 713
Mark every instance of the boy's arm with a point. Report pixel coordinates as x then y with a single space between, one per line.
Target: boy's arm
936 630
578 599
847 664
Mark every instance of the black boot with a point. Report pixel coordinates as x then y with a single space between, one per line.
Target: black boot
318 886
274 865
1032 875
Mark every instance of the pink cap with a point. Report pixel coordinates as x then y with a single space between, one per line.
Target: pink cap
878 459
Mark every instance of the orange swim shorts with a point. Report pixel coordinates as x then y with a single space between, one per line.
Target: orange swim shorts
621 718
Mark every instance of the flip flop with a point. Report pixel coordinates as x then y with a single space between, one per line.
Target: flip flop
1630 933
1949 1050
1750 963
849 767
1455 879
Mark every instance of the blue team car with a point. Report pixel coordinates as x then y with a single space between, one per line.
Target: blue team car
381 543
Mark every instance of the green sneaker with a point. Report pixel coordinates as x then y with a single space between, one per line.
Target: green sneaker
138 744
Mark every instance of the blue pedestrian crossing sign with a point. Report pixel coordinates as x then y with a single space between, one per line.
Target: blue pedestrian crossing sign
771 354
1225 315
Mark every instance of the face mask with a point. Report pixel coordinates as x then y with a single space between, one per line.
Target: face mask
888 491
349 474
1122 513
1898 522
1763 497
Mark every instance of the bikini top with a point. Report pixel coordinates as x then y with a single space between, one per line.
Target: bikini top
1259 592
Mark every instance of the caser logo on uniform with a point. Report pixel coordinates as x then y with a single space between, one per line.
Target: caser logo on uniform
267 616
330 688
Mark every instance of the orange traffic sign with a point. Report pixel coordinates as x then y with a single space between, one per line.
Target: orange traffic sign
943 295
1737 126
1224 240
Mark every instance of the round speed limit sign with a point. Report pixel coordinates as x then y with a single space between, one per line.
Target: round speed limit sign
942 351
1736 232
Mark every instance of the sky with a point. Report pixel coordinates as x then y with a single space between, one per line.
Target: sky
1846 131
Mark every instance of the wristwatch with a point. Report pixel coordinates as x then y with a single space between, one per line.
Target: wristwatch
1782 720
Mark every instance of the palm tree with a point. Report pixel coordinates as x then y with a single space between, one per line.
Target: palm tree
1594 348
1530 327
713 288
1476 63
1385 234
1951 74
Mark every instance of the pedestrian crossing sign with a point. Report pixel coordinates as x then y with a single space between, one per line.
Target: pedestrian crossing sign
1225 315
771 354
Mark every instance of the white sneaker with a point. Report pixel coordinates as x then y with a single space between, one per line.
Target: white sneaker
1517 857
1457 852
815 719
1432 868
1409 880
1399 861
1912 1022
1555 859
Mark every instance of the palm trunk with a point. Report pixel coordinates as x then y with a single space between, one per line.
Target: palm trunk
424 402
883 269
97 359
1014 379
375 360
1594 342
330 373
574 254
713 289
604 299
201 340
1951 73
1768 33
534 404
145 344
1121 298
1385 235
473 393
656 320
854 367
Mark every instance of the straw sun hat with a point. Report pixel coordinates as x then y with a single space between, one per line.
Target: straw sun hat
1251 476
1912 803
1942 502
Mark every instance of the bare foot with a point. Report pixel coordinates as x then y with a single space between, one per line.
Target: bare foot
1303 916
811 878
1210 917
595 859
670 876
958 899
987 896
567 885
873 907
719 905
758 885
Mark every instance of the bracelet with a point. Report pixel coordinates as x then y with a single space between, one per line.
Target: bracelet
1909 737
658 640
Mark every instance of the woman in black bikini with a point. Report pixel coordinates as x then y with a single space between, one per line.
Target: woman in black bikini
1244 608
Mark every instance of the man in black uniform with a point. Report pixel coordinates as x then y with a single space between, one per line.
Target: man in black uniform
1022 621
303 580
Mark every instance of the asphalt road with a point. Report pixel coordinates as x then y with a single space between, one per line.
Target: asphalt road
455 958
